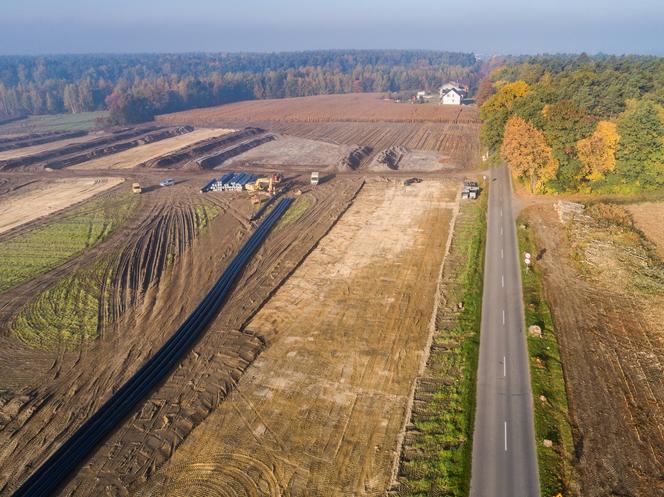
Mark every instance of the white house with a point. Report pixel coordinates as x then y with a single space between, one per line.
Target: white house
451 97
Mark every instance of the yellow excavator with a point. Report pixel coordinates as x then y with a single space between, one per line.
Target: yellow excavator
265 184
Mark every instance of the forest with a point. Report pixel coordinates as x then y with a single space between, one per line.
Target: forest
136 87
577 123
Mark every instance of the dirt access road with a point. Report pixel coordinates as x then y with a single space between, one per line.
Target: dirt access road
321 410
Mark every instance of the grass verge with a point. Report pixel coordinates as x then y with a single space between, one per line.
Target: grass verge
437 453
46 247
548 381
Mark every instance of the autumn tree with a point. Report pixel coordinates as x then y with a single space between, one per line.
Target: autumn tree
496 111
640 152
597 153
525 149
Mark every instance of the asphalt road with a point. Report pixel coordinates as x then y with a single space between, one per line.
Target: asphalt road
504 454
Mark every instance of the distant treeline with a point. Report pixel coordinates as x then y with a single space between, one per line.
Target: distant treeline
578 123
135 87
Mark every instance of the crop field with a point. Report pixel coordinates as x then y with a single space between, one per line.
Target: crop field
360 107
41 198
605 288
143 153
38 250
322 408
56 122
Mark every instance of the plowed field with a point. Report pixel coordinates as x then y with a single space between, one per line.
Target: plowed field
365 107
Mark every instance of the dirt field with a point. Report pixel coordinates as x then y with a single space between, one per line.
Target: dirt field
608 308
361 107
132 157
648 218
35 149
292 151
43 198
320 410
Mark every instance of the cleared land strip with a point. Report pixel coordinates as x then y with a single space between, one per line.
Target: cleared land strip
320 411
42 147
49 197
132 157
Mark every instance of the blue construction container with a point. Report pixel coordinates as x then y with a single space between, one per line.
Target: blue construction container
208 185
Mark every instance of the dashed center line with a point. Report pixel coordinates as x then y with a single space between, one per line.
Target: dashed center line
503 316
505 436
502 280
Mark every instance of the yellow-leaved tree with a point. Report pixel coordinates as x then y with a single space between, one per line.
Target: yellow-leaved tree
597 153
525 149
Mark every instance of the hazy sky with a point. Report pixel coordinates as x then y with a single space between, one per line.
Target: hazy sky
481 26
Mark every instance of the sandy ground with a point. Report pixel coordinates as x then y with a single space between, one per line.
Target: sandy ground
132 157
45 198
648 218
291 151
35 149
319 412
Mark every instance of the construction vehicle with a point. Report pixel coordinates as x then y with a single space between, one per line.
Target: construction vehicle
167 182
314 178
265 184
410 181
471 189
136 188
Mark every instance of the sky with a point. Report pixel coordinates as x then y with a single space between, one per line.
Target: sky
481 26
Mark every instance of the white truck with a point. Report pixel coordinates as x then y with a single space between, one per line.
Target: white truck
314 178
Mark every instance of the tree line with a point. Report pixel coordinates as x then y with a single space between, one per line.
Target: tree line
139 86
577 123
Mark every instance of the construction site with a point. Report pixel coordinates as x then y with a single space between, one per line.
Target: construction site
268 293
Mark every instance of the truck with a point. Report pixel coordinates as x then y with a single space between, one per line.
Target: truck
471 189
136 188
167 182
314 178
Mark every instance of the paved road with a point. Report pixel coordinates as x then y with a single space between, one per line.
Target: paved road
504 454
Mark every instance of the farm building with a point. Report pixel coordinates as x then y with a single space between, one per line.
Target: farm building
451 97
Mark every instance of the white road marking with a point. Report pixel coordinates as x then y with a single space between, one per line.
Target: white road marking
502 280
505 436
501 230
502 254
503 316
501 212
504 367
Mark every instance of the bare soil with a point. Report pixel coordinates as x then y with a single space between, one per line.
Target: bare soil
292 151
648 218
52 145
612 346
319 412
361 107
144 153
42 198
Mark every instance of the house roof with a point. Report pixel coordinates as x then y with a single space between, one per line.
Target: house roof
459 92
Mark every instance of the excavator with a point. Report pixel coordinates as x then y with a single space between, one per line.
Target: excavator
265 184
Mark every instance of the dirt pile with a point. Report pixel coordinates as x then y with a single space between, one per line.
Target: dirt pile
183 157
105 145
9 143
217 158
353 159
388 159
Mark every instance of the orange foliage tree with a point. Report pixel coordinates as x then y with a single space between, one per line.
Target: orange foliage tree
597 153
525 149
